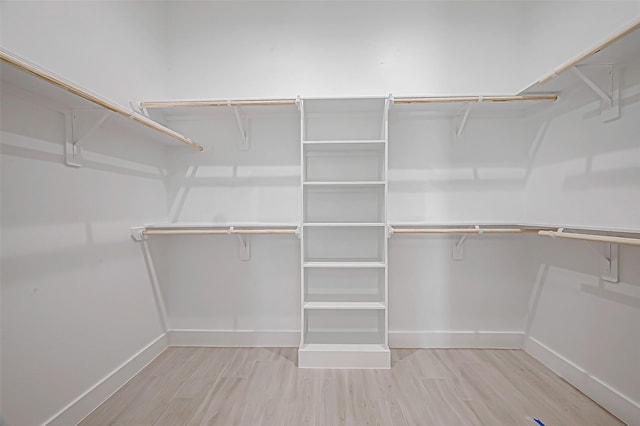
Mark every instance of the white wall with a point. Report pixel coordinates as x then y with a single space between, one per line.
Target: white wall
276 49
476 302
587 173
113 48
206 286
558 31
584 328
77 301
437 177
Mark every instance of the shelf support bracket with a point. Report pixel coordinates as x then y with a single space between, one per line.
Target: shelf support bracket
243 125
73 140
463 120
458 249
608 261
609 95
137 233
244 247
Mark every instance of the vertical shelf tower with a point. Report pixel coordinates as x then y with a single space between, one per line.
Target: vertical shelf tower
344 233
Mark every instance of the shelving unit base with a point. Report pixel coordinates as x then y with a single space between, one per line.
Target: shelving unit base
344 356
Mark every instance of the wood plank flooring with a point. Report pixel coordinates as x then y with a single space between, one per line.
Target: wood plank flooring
263 386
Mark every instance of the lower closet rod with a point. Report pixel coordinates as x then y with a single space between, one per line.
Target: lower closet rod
463 230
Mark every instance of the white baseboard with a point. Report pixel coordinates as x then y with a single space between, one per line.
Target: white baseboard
397 339
82 406
618 404
456 339
235 338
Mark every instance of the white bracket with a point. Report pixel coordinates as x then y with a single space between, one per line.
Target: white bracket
137 233
73 130
244 247
299 231
608 261
243 126
458 249
462 119
389 230
609 93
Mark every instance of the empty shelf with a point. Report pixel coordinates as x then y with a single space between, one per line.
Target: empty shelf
344 264
344 305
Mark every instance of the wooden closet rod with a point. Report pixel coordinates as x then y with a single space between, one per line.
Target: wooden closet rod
217 103
451 99
617 36
591 237
216 231
462 230
43 74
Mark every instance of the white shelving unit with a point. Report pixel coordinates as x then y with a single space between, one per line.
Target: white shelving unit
344 233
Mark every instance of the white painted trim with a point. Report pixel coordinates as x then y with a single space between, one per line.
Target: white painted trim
235 338
397 339
456 339
617 403
91 399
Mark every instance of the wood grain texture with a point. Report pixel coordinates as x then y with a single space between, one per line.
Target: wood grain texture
263 386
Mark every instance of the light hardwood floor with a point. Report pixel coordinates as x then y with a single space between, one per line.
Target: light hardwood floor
263 386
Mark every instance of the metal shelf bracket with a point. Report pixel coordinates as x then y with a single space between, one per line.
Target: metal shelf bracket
76 136
609 93
244 247
243 126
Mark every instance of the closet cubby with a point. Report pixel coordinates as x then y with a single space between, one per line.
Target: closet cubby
345 326
344 162
343 119
352 203
333 285
344 244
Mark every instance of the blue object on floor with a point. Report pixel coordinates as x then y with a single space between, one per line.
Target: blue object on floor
538 421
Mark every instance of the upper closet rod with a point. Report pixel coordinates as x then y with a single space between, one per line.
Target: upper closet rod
591 237
451 99
14 60
216 231
617 36
217 103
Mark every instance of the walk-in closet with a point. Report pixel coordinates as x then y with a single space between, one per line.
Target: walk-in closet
320 212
